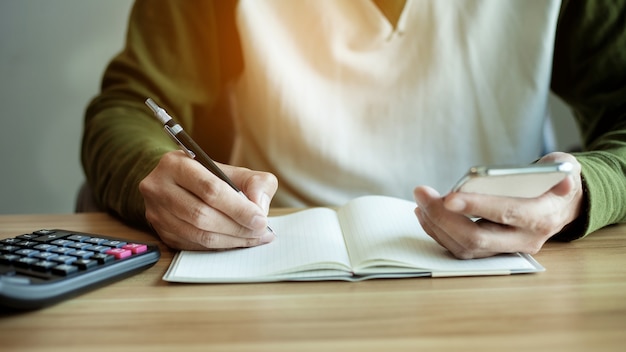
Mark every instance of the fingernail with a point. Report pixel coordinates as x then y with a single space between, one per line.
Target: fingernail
258 222
267 237
454 204
424 194
419 198
265 203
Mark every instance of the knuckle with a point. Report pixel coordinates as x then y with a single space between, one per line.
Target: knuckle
146 186
211 191
252 242
198 215
210 240
472 245
143 185
262 177
170 158
544 226
242 232
270 179
475 243
510 215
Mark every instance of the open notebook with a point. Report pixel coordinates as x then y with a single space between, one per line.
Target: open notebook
369 237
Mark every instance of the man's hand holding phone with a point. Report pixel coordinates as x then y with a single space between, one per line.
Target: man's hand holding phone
508 222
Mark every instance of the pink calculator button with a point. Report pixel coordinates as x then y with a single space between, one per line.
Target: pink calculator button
136 248
119 253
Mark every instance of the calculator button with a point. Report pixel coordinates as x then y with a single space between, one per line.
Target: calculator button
27 252
85 264
62 243
8 258
44 247
10 240
27 243
28 236
119 253
79 245
25 261
43 232
103 258
44 265
64 269
96 240
82 254
45 255
7 248
48 237
63 250
114 244
98 249
78 238
136 248
64 259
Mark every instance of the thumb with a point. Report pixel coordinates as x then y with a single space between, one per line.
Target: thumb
261 189
259 186
564 187
571 182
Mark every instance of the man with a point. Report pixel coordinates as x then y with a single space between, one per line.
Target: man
335 99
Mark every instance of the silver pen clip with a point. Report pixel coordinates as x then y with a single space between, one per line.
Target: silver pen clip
172 132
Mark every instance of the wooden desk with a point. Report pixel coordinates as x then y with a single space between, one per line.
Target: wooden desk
579 303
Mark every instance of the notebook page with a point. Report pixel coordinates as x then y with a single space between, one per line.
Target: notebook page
307 239
384 232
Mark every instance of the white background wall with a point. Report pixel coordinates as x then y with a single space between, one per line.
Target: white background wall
52 55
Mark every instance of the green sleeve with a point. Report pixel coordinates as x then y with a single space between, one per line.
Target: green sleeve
589 74
172 55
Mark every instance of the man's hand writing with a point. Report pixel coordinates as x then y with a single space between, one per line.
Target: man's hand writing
192 209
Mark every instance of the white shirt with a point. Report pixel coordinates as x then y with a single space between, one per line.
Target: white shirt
337 102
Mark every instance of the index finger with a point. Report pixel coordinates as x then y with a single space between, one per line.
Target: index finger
218 195
510 211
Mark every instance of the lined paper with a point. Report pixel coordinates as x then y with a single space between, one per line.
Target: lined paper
379 235
306 240
384 231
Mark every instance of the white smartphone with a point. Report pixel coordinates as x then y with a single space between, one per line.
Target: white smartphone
526 181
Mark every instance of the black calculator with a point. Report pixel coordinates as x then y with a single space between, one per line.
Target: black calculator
47 266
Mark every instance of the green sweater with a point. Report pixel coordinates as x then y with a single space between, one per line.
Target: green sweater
183 53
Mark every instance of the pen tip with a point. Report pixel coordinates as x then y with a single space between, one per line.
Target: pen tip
271 230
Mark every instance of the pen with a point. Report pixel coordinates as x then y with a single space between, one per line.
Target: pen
191 148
